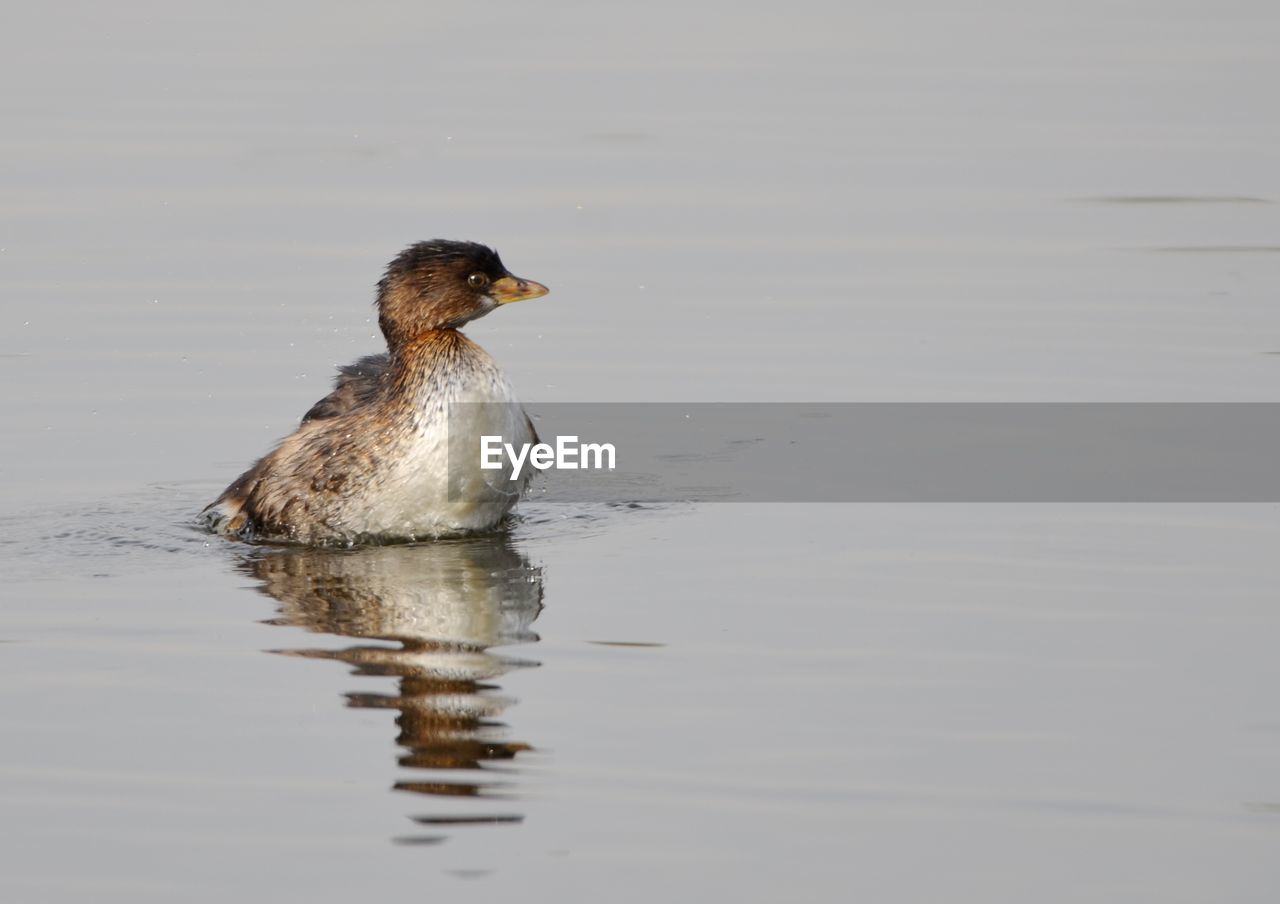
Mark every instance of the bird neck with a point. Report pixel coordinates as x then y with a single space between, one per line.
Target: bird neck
419 359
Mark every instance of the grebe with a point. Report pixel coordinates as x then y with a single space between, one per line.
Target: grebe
370 462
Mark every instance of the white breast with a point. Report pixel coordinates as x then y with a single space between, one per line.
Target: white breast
436 487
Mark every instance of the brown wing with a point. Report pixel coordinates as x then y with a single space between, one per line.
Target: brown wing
355 385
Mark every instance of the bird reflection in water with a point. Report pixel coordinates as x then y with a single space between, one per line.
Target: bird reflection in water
444 605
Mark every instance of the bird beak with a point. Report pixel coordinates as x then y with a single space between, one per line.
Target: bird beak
513 288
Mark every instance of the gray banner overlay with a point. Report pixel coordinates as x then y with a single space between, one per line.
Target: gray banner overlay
793 452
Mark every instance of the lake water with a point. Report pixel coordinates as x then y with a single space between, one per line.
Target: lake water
759 702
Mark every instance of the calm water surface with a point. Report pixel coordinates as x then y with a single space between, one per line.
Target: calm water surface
810 202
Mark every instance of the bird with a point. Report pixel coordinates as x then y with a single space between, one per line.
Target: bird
371 462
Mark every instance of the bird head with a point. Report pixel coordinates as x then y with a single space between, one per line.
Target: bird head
440 285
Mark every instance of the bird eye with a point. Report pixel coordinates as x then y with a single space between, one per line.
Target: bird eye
477 280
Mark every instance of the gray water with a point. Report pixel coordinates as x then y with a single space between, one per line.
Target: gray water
805 202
